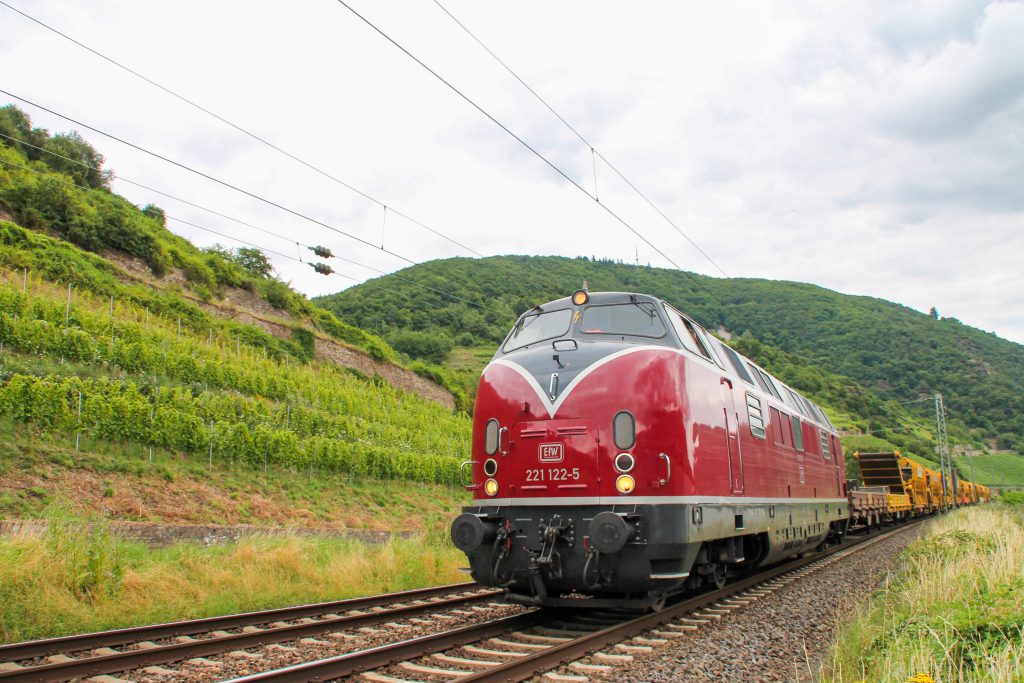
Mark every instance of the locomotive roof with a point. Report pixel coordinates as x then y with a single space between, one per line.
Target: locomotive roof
601 298
730 360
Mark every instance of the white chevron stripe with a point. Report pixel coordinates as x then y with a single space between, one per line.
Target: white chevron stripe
552 408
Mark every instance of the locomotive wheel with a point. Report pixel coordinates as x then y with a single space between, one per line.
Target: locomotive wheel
718 575
659 604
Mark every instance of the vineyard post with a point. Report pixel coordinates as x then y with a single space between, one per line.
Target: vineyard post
211 442
78 425
152 418
67 308
238 346
211 336
147 318
24 284
179 329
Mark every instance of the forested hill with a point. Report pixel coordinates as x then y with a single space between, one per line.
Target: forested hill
897 352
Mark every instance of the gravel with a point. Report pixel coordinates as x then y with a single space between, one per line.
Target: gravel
780 637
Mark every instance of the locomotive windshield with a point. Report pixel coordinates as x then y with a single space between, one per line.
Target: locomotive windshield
535 327
638 318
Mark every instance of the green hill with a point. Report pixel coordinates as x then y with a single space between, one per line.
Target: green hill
860 356
157 359
897 352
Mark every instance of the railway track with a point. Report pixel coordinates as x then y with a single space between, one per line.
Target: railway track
95 654
522 646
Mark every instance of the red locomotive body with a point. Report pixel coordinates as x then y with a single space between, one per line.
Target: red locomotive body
620 451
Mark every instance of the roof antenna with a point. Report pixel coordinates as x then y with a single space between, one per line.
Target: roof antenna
585 286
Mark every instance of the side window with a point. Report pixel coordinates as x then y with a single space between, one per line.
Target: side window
685 333
798 434
810 411
737 364
824 446
760 380
785 429
756 416
706 342
771 385
774 424
796 402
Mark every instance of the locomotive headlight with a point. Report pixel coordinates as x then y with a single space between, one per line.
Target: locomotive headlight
490 467
580 297
491 487
625 484
624 462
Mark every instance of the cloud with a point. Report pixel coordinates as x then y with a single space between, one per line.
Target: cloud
872 148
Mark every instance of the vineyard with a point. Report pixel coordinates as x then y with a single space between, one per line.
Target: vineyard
160 383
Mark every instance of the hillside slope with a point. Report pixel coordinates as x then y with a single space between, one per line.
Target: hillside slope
897 352
129 358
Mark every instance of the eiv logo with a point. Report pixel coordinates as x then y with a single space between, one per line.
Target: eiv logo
550 452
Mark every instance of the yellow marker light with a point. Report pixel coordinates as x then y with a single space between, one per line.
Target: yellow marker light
625 484
490 487
580 297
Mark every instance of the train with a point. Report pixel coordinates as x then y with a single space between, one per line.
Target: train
895 488
622 454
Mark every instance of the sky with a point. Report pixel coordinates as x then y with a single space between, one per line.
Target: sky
873 148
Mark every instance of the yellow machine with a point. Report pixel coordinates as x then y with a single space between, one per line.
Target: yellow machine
912 486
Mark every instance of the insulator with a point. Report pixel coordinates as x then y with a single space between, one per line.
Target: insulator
322 268
322 252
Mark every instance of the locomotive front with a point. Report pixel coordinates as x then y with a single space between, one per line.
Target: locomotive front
576 427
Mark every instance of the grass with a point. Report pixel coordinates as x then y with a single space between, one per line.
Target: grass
78 578
999 469
952 612
118 481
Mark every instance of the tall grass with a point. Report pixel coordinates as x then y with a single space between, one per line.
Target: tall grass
952 612
79 578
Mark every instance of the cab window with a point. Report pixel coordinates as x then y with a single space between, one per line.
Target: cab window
637 318
538 326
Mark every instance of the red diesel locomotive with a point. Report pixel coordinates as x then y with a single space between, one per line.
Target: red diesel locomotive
621 452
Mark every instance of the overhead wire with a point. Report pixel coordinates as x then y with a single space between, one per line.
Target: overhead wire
266 142
237 220
301 161
221 182
505 128
197 172
582 139
242 129
233 238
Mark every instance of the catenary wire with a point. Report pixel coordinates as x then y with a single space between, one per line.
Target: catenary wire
580 136
196 105
236 239
268 143
241 129
214 179
249 225
277 253
505 128
208 177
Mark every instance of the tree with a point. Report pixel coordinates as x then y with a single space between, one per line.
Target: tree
155 212
427 346
16 124
72 155
254 261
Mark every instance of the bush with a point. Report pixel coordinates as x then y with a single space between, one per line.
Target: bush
429 346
